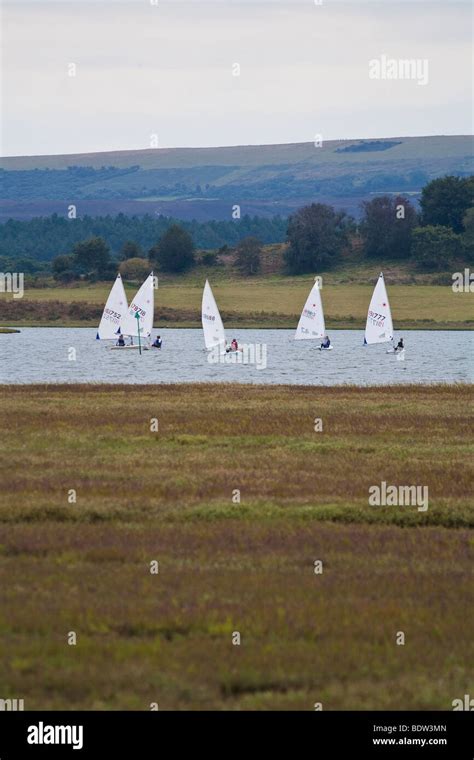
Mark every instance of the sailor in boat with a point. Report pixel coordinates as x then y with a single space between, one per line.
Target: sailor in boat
121 341
326 342
157 343
399 346
234 346
131 341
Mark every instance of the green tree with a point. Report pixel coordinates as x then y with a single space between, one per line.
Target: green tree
92 257
175 250
444 201
63 267
468 234
130 250
317 235
209 258
435 247
42 238
248 258
386 227
135 269
27 266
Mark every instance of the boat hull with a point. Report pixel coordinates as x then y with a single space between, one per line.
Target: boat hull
125 348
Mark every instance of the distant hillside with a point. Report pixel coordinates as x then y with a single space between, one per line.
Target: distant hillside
204 183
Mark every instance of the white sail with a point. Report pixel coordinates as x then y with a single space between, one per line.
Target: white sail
311 324
213 328
379 327
142 304
115 309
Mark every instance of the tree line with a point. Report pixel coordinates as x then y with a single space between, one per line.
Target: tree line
24 245
441 231
174 252
317 237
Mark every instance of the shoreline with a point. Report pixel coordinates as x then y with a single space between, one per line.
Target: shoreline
422 325
193 385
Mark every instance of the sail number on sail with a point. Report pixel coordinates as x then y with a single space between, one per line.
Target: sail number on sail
112 316
137 309
377 319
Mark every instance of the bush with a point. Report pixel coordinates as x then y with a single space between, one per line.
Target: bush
67 275
135 269
248 260
61 263
435 247
209 259
130 250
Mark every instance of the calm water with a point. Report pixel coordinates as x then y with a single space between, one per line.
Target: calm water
40 355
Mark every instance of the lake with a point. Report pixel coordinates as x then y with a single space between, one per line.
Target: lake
72 355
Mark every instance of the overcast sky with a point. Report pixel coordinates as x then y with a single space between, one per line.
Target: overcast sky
167 69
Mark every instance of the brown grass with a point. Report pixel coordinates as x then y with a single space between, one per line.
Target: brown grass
259 301
228 567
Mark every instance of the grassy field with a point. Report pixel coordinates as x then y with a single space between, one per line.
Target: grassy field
224 566
261 302
268 158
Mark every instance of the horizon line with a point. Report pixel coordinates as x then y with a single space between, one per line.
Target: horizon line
227 147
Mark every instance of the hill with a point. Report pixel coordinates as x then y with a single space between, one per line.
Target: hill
205 183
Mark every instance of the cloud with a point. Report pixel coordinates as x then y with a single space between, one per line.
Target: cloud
142 69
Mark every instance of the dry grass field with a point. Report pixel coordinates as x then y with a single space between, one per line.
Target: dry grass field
227 567
260 302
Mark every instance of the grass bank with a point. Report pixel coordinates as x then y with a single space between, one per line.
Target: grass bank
170 496
261 302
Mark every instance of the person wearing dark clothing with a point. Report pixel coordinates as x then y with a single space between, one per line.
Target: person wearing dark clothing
399 346
158 342
121 341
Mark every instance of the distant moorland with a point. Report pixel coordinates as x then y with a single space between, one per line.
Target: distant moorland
205 183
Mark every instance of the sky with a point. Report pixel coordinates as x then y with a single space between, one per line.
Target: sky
164 74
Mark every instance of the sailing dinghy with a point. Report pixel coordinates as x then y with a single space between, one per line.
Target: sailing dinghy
379 326
114 310
212 325
311 325
141 327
